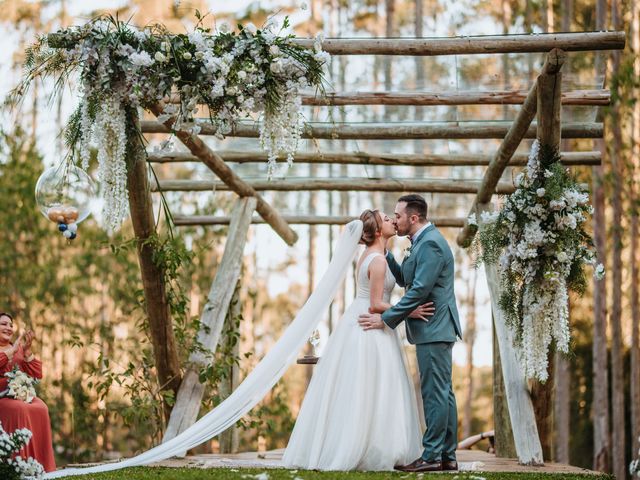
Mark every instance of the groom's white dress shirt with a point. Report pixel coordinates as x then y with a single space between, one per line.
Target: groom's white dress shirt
417 234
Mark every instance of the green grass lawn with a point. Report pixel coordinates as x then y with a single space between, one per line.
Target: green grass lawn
157 473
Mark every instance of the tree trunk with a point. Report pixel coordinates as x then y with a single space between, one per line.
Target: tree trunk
562 407
547 16
311 257
634 381
600 406
617 346
156 302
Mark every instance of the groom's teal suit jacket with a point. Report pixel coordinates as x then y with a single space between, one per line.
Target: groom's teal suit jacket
427 274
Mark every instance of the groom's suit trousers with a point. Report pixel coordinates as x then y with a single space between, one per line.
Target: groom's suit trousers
439 403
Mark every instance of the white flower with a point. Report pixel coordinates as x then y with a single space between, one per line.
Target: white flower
274 50
164 46
276 67
518 180
141 59
199 55
159 56
489 217
540 192
187 56
251 28
562 257
303 6
223 27
472 220
242 74
599 271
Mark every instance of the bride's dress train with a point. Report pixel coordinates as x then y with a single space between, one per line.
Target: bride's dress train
360 409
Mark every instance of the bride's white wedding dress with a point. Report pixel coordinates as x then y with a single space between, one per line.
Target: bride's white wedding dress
360 409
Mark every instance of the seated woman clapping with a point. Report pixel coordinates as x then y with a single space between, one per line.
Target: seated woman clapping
24 412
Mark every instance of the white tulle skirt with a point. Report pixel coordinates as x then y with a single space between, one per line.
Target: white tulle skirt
360 410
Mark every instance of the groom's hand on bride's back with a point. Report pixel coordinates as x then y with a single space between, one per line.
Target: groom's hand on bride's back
424 312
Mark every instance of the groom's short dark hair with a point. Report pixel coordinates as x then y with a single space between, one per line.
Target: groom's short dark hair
416 205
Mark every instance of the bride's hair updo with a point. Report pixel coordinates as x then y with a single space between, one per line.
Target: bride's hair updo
371 224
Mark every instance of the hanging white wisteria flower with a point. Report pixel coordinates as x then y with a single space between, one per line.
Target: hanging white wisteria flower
244 74
539 241
16 467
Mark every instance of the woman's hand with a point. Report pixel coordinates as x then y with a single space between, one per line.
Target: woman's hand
17 345
423 311
27 341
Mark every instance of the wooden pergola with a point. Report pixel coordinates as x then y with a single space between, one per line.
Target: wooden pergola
542 103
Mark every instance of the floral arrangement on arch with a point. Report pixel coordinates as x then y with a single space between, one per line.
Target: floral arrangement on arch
122 68
540 243
14 467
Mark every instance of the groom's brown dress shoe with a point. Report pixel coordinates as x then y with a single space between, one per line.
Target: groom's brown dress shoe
450 466
420 465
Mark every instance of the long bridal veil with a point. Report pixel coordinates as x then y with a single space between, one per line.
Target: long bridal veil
263 377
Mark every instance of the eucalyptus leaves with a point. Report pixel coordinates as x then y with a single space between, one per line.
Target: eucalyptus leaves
539 240
122 68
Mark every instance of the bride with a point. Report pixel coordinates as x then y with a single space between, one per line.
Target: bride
360 411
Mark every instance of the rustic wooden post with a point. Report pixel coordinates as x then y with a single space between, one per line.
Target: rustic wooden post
156 304
549 109
521 414
185 411
517 131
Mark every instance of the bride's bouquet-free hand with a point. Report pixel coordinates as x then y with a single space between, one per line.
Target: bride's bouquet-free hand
21 386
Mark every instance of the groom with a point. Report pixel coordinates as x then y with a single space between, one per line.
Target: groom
427 273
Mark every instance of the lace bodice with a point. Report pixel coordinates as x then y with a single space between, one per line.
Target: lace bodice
363 280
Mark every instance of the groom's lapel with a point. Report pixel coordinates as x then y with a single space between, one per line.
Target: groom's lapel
418 240
423 234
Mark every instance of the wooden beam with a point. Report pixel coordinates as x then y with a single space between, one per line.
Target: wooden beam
521 126
156 304
503 97
393 131
338 184
189 398
527 43
373 158
521 414
482 44
216 164
201 220
499 97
